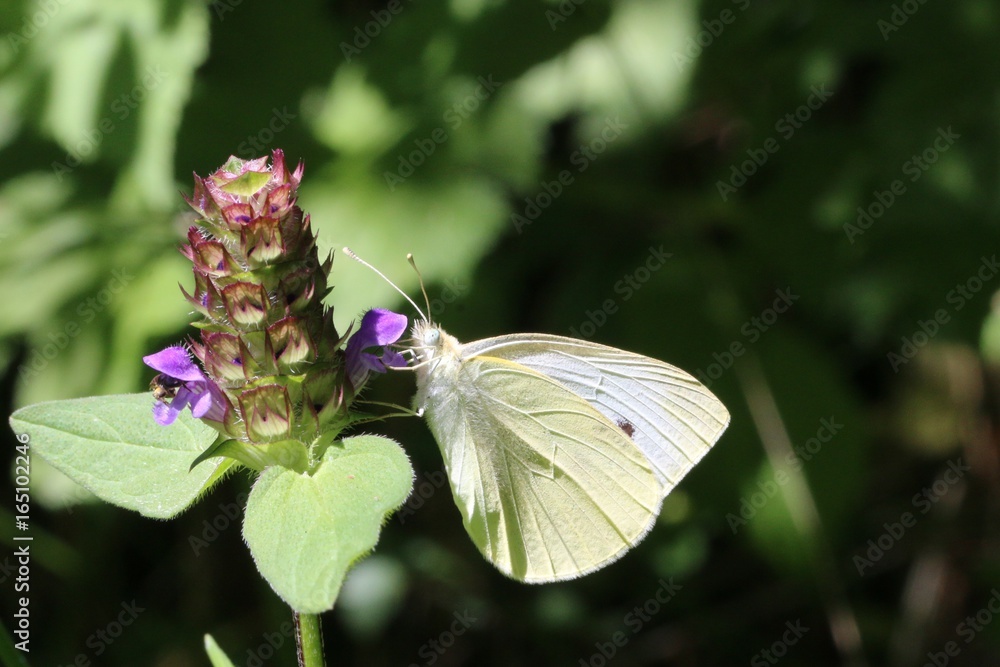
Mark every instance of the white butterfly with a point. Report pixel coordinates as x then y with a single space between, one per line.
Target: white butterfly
559 451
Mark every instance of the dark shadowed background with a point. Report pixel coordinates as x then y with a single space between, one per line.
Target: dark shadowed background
796 201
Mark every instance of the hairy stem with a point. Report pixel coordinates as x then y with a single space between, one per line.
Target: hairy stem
309 640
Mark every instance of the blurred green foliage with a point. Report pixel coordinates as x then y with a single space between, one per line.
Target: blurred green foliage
532 156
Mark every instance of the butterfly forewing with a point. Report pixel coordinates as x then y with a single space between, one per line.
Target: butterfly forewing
670 416
549 488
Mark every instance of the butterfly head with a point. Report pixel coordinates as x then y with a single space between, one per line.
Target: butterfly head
431 336
431 343
426 341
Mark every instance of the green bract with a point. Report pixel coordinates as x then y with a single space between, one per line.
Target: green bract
266 340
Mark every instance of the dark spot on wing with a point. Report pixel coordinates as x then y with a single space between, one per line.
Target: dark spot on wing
626 426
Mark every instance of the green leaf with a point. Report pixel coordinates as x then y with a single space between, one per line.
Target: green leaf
111 446
305 532
215 654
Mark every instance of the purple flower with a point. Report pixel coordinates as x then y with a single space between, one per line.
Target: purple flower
379 328
193 388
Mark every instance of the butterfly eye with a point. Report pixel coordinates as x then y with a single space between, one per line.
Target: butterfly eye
431 337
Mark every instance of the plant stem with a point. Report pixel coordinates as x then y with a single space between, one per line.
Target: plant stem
309 640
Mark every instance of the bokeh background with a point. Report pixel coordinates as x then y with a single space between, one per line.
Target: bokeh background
822 175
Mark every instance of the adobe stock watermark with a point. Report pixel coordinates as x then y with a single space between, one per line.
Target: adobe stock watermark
453 290
259 143
223 7
957 298
922 501
363 35
900 14
421 493
562 12
87 310
794 462
634 621
786 127
914 168
8 569
751 330
121 108
268 648
74 497
229 515
581 158
453 117
711 30
34 22
432 650
102 638
626 288
779 648
968 629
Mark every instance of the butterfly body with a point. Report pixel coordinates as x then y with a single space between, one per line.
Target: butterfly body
549 484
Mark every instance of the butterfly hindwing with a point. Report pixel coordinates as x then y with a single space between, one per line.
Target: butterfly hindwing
549 488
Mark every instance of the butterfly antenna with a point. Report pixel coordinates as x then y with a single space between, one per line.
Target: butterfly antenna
420 278
350 253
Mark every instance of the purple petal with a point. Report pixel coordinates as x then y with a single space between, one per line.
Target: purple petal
164 414
218 406
197 391
182 399
175 362
379 327
393 359
201 401
389 326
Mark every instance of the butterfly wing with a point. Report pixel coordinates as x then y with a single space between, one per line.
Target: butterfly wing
670 416
548 488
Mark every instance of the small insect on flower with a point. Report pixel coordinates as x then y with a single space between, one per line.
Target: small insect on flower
182 381
164 387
